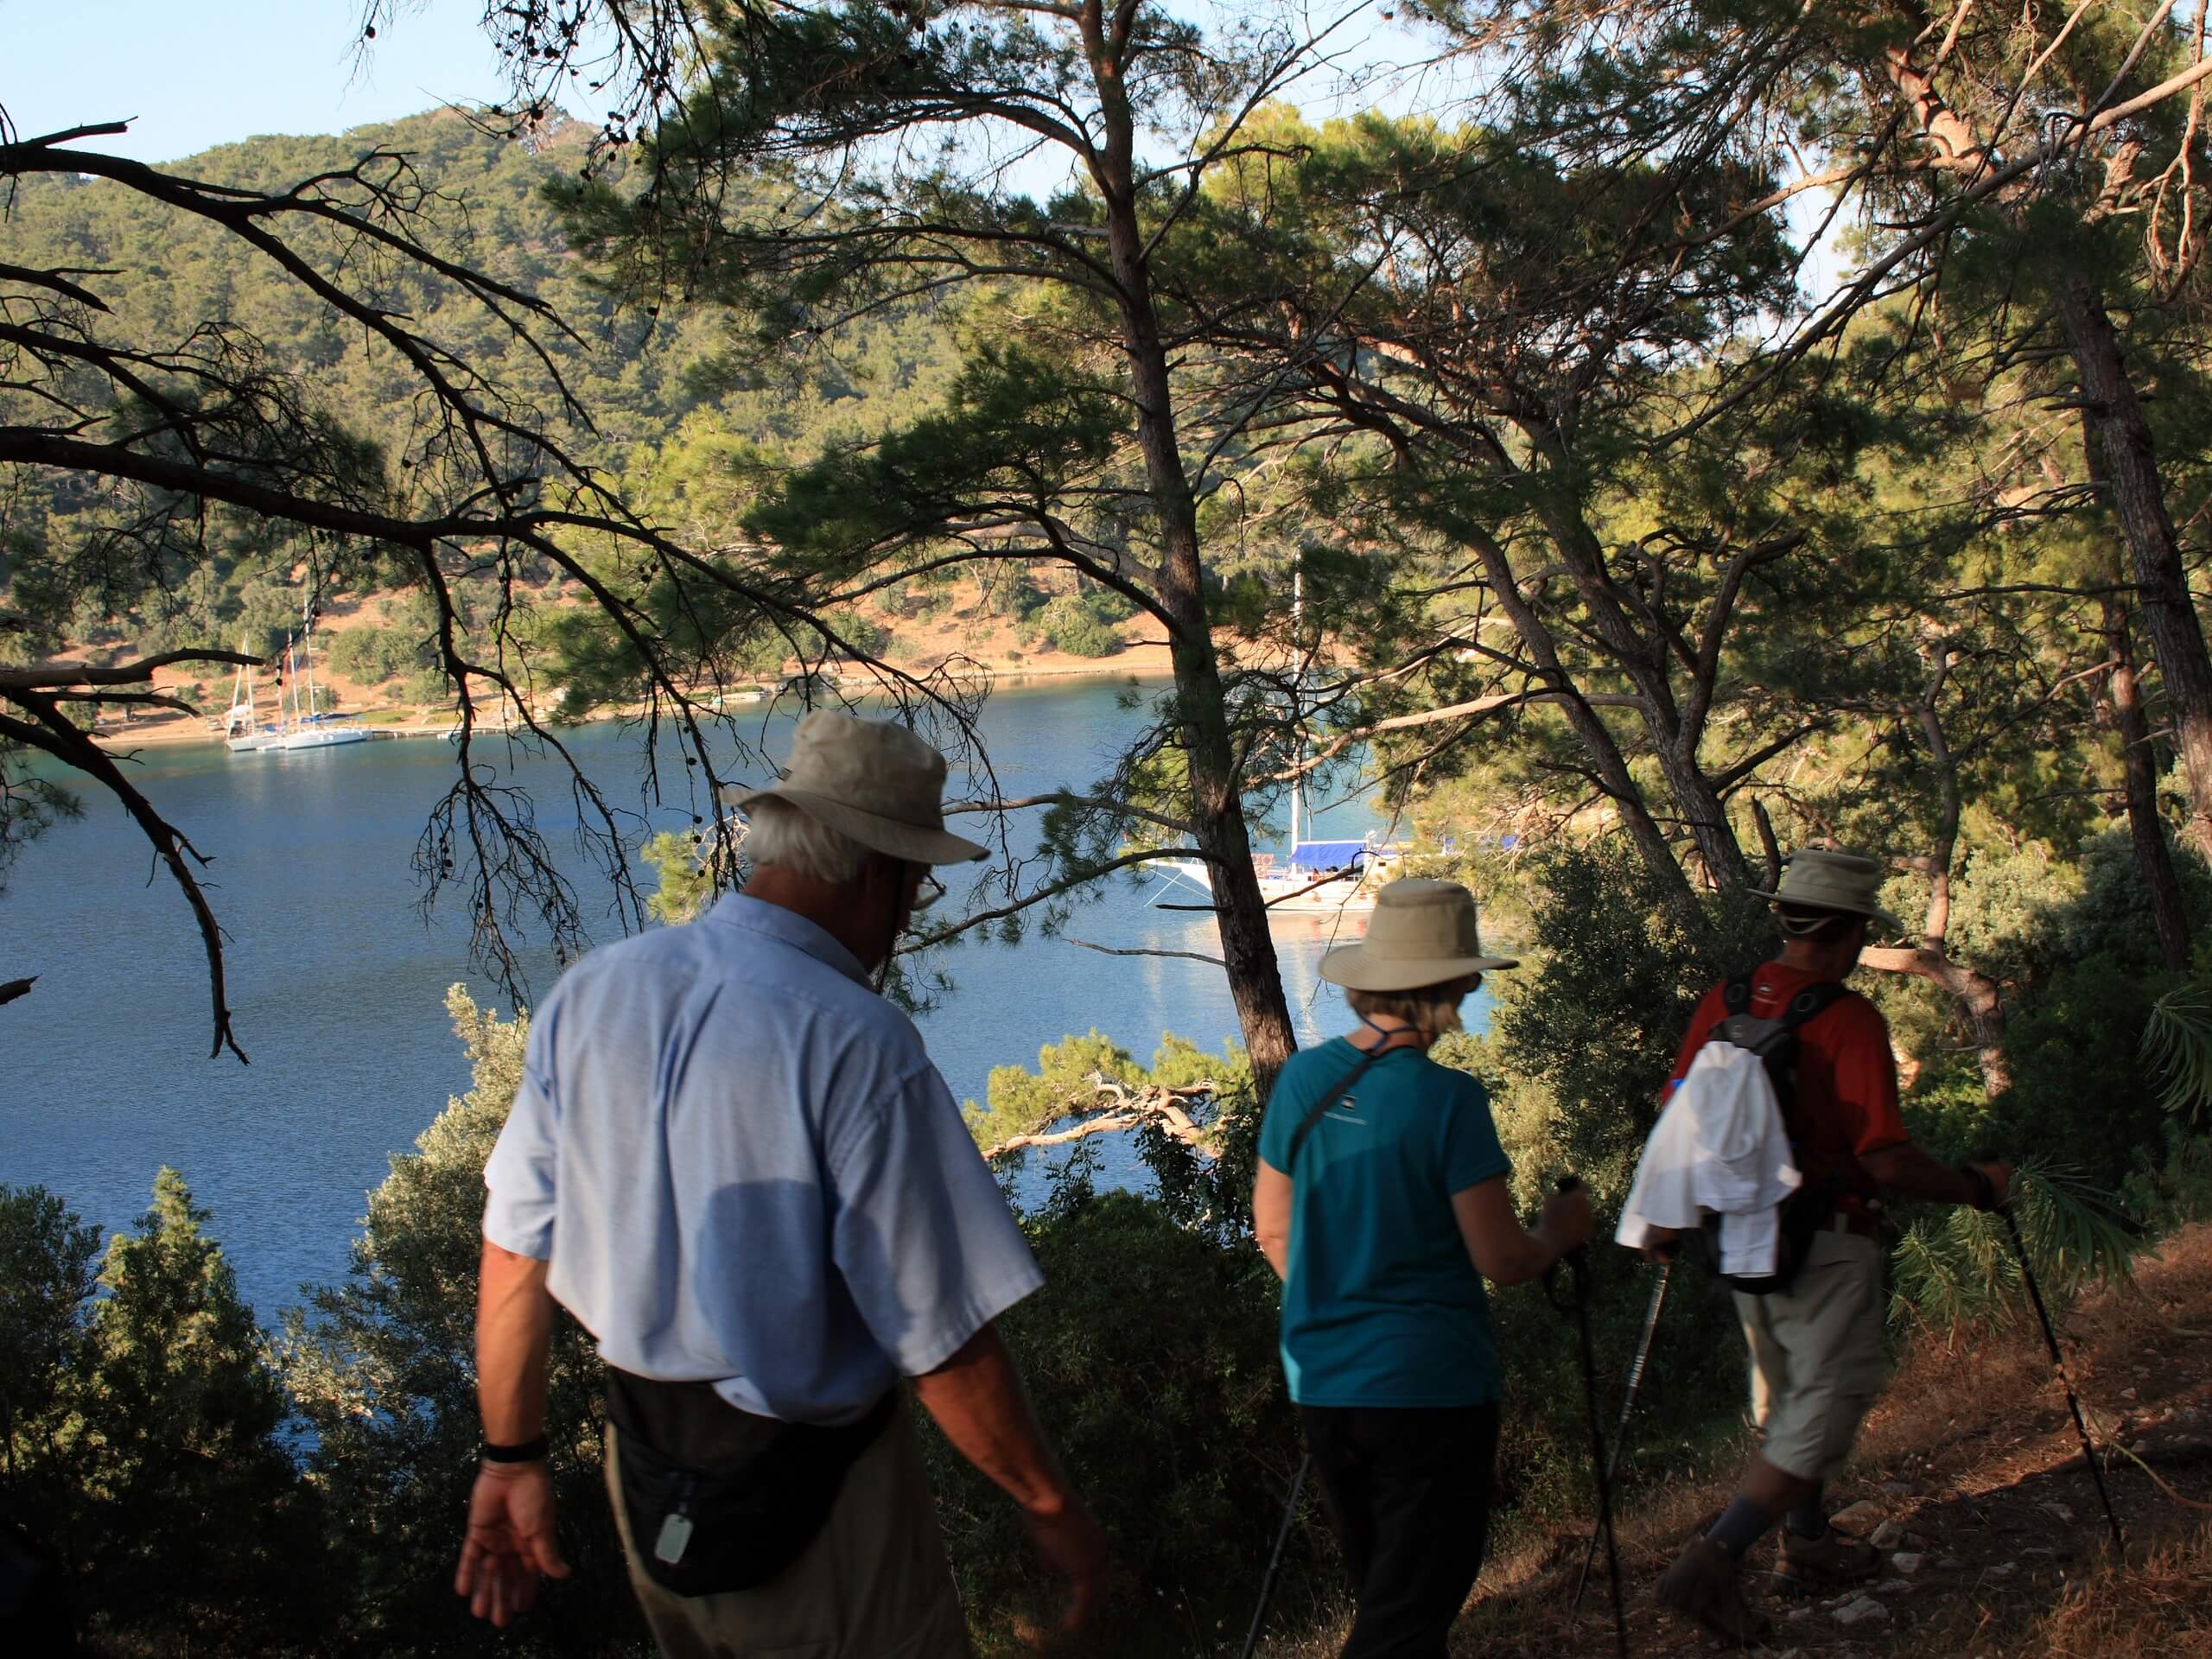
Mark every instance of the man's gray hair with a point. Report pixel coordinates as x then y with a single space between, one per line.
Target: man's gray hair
783 834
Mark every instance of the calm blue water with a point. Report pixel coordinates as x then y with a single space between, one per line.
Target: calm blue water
338 983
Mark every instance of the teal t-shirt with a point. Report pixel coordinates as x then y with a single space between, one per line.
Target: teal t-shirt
1382 1305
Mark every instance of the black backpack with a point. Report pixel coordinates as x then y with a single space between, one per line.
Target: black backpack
1808 1209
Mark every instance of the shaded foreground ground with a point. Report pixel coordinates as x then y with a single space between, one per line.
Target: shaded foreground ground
1972 1464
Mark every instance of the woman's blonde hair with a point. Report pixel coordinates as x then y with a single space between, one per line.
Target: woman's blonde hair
1431 1010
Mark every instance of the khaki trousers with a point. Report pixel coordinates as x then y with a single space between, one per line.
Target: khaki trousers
875 1584
1816 1355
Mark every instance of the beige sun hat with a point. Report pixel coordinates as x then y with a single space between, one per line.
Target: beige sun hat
871 780
1422 933
1820 879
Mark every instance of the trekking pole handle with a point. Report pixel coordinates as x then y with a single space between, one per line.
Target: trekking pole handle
1577 1259
1580 1253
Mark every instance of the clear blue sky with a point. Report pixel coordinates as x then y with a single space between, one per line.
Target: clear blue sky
195 73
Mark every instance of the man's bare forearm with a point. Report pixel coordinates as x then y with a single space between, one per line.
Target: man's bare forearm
1911 1172
976 1398
514 1335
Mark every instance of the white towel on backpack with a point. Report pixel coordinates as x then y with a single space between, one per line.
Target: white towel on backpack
1719 1148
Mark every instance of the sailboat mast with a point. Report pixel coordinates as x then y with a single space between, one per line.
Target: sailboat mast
307 653
1297 704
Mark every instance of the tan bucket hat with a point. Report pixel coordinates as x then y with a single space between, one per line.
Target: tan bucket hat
1422 933
1820 879
871 780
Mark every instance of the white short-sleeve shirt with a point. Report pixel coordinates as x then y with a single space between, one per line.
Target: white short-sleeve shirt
743 1168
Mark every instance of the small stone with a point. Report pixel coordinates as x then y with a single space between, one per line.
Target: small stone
1906 1562
2060 1510
1859 1519
1888 1536
2127 1394
1948 1564
2002 1570
1866 1609
1798 1615
1897 1488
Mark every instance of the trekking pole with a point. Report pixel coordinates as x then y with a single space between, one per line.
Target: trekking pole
2058 1360
1578 1261
1628 1408
1274 1562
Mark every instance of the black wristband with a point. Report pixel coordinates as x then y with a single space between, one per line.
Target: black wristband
1984 1190
528 1451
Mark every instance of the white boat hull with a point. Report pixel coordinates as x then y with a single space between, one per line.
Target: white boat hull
322 738
1292 894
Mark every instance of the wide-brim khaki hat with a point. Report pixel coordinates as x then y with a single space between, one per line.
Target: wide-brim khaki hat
872 781
1820 879
1422 933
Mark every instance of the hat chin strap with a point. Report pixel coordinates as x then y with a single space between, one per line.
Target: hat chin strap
1387 1033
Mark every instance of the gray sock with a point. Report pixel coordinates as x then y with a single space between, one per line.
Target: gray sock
1742 1524
1809 1519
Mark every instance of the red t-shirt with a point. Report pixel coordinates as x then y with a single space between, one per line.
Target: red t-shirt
1847 1078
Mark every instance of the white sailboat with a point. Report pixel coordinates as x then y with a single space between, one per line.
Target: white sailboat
1324 876
299 726
243 731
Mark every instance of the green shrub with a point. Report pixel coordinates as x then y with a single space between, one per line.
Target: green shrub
1072 623
1151 1358
383 1369
374 655
141 1432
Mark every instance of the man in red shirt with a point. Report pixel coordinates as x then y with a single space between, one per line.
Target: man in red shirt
1816 1349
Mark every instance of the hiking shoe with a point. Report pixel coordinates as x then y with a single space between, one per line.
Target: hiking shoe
1806 1565
1702 1583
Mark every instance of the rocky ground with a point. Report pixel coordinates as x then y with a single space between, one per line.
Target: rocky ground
1971 1481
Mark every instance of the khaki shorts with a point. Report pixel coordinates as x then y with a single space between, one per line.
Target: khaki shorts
874 1583
1816 1355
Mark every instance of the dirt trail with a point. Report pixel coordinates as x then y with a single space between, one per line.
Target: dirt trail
1970 1477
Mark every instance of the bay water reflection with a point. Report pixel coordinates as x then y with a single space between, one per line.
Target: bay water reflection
337 982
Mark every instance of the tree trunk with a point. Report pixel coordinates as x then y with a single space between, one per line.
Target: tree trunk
1217 798
1605 757
1696 801
2121 708
1978 999
1701 808
2137 495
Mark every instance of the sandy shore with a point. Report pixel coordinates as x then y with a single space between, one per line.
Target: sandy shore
164 729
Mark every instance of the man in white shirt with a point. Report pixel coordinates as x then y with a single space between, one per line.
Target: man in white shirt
736 1165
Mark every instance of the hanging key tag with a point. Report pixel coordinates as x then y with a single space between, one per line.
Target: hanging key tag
675 1538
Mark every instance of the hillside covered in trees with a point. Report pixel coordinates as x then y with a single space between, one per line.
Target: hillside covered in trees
1703 431
637 388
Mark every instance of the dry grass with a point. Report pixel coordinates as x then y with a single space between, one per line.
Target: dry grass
2158 1607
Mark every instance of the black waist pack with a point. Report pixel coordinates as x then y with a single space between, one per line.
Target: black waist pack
718 1499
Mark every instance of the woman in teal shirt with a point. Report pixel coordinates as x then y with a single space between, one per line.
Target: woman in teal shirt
1381 1204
